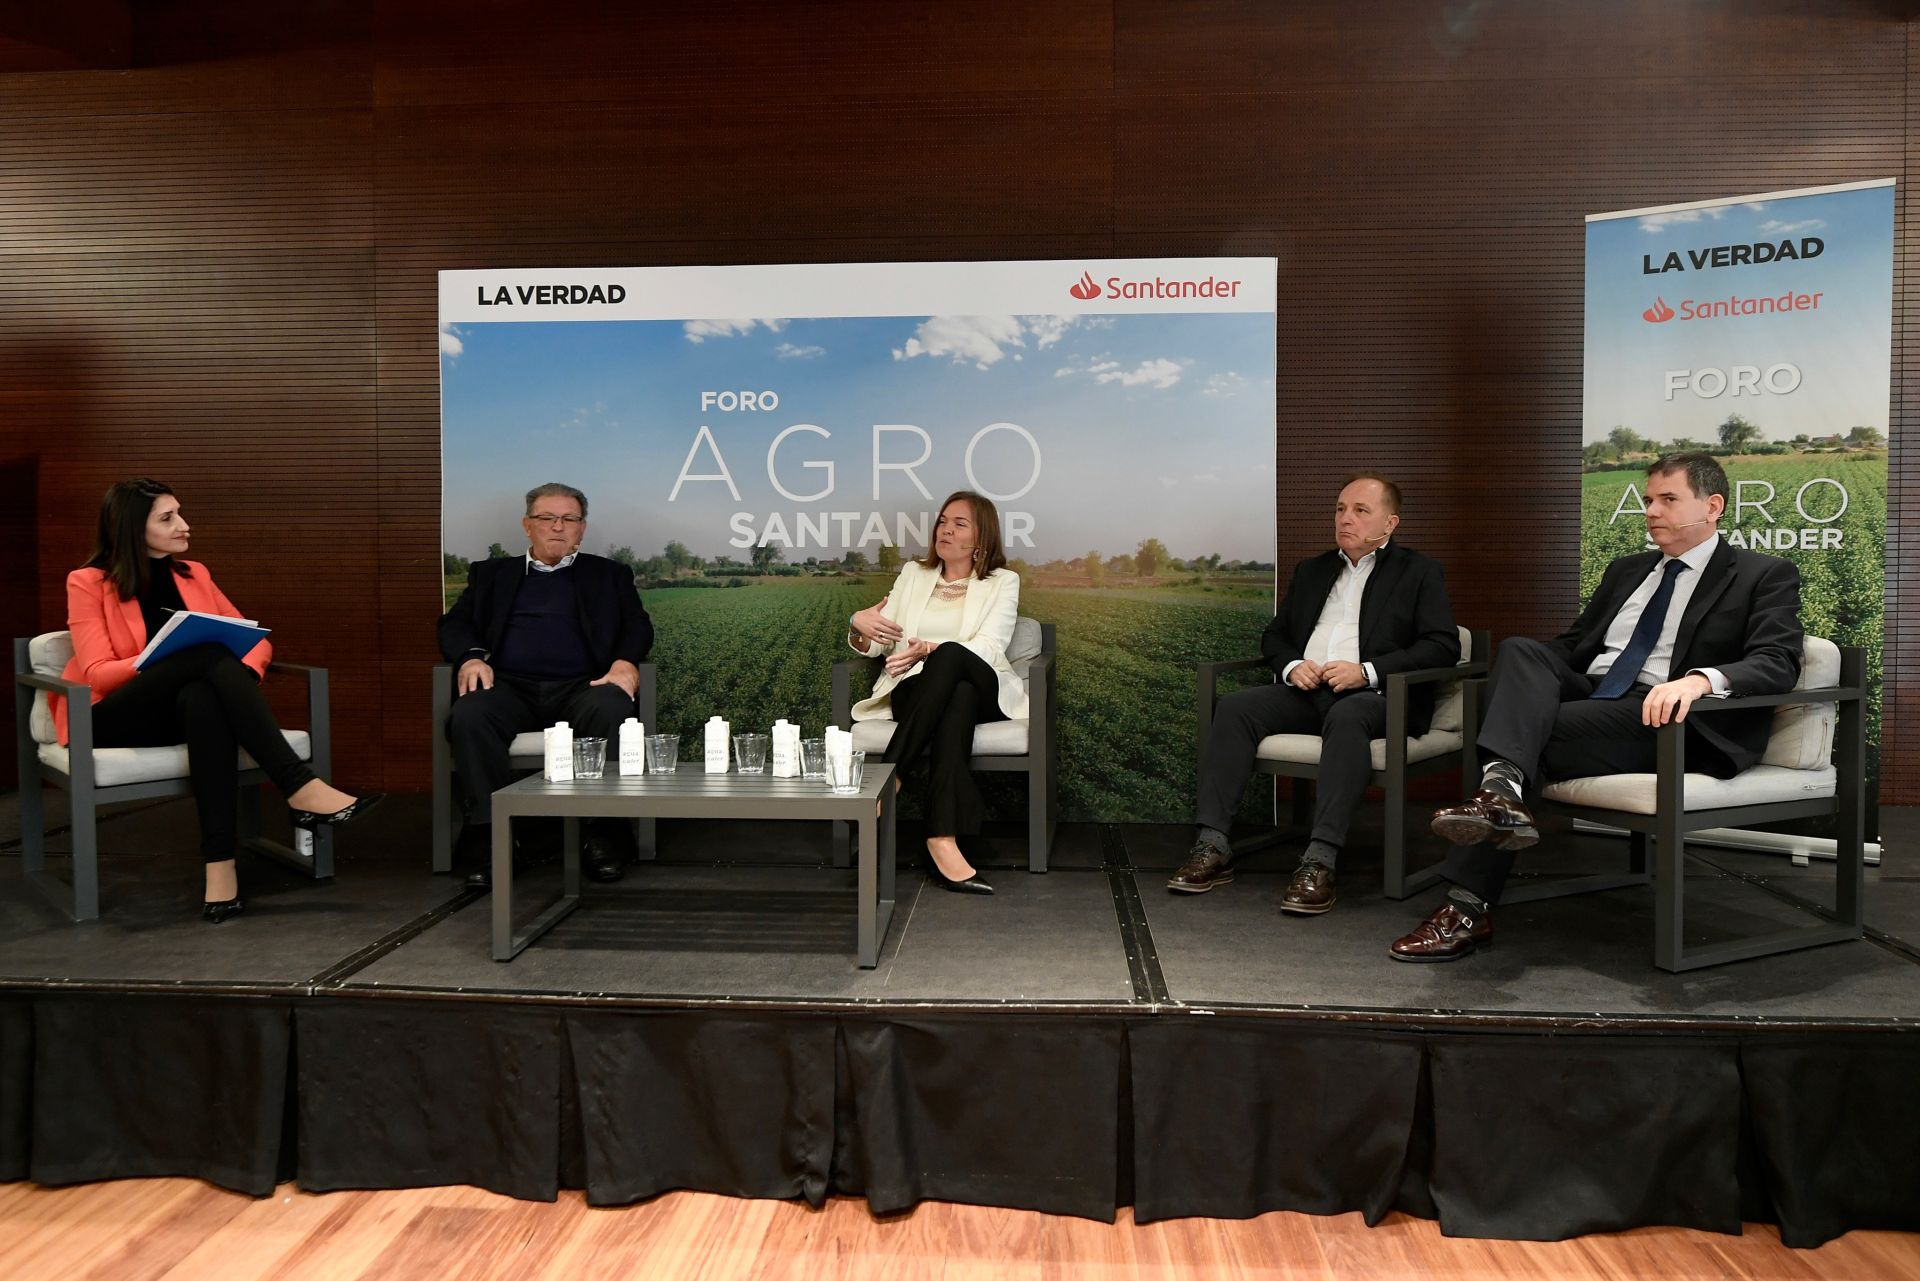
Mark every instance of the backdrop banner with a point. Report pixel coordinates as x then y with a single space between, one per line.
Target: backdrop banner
763 445
1760 329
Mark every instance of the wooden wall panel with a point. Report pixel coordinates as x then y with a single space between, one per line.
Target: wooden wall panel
219 265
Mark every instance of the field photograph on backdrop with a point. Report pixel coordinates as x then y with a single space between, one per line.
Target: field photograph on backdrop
1757 329
764 477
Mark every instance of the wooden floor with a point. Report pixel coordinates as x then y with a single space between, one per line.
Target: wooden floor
176 1229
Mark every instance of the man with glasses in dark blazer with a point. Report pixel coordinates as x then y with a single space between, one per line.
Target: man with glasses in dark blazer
556 634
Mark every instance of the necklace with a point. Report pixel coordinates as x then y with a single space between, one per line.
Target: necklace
951 591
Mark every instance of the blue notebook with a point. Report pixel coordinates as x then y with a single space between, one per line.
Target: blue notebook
188 627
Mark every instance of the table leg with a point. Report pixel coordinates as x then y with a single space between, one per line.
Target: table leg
875 911
570 857
503 948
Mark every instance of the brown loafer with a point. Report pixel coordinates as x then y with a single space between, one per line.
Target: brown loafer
1205 868
1488 818
1449 934
1310 892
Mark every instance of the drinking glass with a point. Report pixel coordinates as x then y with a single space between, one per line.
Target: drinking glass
663 753
589 757
750 752
813 758
844 781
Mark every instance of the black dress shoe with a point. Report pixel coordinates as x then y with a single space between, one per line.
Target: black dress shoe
1489 817
1206 866
214 913
603 859
310 820
972 885
480 880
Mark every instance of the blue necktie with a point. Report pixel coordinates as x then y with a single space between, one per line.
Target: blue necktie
1626 669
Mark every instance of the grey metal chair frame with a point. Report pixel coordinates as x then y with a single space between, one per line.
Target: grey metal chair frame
1398 883
80 899
446 799
1666 829
1041 764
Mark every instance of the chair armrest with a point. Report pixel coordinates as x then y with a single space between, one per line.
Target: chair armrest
1793 697
297 669
1428 675
319 715
55 685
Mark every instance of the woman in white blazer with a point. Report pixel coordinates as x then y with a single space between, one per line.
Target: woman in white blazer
944 628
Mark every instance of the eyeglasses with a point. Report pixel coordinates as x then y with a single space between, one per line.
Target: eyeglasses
558 522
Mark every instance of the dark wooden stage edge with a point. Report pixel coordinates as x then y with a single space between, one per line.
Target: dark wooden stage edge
1516 1126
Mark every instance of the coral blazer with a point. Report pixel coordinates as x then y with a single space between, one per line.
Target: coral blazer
109 633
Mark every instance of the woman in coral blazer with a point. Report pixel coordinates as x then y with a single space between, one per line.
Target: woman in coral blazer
202 695
945 628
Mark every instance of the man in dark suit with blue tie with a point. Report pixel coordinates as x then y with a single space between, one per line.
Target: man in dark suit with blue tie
1693 619
1352 617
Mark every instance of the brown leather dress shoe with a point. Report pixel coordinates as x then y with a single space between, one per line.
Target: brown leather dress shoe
1490 818
1449 934
1206 867
1310 892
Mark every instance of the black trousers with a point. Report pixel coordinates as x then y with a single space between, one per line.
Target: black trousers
935 713
483 724
1346 723
209 699
1541 716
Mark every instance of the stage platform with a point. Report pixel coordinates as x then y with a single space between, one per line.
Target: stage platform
1078 1041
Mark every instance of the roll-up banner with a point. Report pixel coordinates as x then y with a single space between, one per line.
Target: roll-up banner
1757 328
763 444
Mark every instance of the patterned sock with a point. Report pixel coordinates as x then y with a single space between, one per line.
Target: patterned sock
1503 777
1467 899
1207 836
1325 853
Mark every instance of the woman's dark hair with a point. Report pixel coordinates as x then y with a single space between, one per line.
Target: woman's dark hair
120 545
988 554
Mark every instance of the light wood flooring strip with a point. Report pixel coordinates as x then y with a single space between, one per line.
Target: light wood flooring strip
181 1230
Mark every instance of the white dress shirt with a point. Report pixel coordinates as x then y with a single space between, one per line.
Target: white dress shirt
539 566
1336 637
1620 631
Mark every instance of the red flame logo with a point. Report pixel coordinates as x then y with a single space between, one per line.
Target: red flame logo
1086 289
1659 313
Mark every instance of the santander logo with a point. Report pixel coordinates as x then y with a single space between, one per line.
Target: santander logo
1659 313
1086 289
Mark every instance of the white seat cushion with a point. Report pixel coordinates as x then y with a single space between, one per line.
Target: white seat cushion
1447 699
1305 748
1633 793
529 746
118 766
995 738
1802 737
48 655
1026 639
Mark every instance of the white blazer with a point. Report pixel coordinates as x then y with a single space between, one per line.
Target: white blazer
986 628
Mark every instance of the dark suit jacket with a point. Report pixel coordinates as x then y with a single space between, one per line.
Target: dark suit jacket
1743 619
1406 621
612 620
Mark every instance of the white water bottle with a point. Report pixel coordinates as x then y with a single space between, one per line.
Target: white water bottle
717 745
786 749
633 747
558 741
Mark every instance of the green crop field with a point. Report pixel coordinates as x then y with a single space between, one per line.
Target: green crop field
1841 595
1126 674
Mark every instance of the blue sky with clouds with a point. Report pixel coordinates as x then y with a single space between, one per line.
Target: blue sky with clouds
1842 348
1147 426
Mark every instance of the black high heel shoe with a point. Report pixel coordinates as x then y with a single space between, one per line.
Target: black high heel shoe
972 885
214 913
309 820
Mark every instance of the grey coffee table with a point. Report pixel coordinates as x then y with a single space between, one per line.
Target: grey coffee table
691 792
